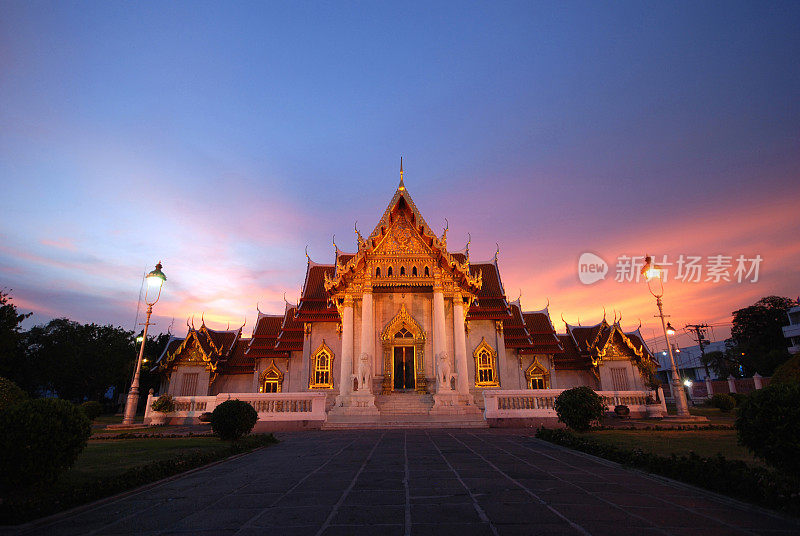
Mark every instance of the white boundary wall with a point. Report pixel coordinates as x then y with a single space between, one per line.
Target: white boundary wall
270 406
520 404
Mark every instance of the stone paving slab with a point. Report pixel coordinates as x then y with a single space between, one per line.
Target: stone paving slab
417 482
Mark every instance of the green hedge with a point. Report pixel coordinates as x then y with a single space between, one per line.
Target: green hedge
723 401
768 423
39 439
92 409
730 477
39 501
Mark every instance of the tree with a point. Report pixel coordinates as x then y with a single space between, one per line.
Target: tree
10 341
722 363
759 342
79 361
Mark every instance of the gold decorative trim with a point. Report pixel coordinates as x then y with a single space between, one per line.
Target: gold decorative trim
321 376
272 374
485 365
537 372
403 319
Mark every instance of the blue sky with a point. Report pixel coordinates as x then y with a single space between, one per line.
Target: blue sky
222 138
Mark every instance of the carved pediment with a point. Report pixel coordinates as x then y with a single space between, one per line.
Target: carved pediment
401 240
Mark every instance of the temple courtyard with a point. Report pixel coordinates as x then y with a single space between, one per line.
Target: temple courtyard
438 482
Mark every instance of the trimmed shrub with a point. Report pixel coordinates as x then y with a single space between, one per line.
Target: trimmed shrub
10 393
164 404
39 439
788 372
205 417
768 424
579 407
92 409
738 398
723 401
622 410
233 419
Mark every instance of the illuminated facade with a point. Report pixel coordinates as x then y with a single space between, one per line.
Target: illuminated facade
403 318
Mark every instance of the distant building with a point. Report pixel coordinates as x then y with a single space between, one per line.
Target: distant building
792 331
689 362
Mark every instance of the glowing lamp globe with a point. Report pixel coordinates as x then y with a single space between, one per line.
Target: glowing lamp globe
687 383
670 329
156 278
650 270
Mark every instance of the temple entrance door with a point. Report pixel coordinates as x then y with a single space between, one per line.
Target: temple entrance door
404 367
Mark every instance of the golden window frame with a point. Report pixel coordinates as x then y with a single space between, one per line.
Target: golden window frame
316 370
272 374
485 360
537 372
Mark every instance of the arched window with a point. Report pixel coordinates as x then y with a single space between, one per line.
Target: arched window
538 377
414 271
378 271
427 272
402 270
485 365
389 272
271 380
321 369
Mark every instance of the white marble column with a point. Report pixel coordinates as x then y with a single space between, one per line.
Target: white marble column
439 337
460 345
367 332
345 378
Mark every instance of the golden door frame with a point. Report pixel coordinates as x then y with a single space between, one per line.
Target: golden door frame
389 341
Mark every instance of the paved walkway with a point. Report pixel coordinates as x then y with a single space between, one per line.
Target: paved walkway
417 482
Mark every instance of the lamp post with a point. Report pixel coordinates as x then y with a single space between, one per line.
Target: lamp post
155 280
651 271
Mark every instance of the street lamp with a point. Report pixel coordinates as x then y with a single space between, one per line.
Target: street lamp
155 280
652 271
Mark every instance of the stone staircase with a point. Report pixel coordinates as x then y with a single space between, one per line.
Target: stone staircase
406 410
404 404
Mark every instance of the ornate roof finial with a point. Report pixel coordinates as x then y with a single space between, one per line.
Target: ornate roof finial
402 185
335 247
308 259
620 318
496 253
469 241
229 326
443 240
640 325
192 321
202 319
257 309
604 313
358 235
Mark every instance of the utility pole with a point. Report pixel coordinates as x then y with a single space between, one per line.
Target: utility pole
699 336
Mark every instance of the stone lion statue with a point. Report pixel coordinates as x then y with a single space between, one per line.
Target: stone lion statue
444 372
364 373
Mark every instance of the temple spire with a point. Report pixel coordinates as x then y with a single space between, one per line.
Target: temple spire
402 186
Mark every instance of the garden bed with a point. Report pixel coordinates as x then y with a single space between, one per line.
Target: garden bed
735 478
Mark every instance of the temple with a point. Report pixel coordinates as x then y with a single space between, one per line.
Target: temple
400 329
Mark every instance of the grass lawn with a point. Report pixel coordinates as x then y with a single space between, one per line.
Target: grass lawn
706 443
714 415
107 458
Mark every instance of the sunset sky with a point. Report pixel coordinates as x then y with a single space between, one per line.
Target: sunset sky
223 138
